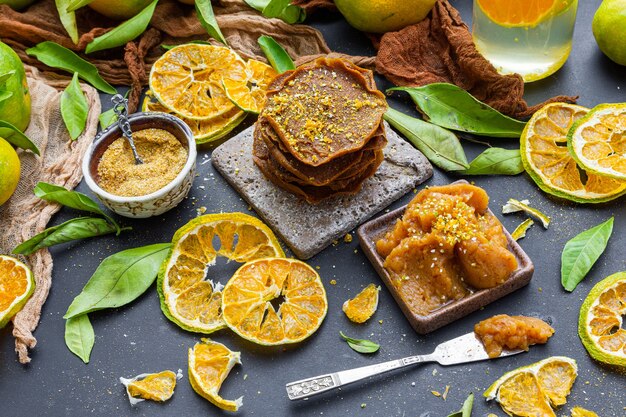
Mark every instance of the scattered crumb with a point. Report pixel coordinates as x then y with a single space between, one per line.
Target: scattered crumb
347 238
363 405
335 242
445 393
436 393
317 267
380 321
245 377
435 372
200 211
540 289
333 282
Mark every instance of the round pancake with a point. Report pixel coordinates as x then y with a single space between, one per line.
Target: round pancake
325 109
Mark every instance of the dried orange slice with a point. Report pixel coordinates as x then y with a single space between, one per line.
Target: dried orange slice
188 298
533 390
521 13
247 297
598 141
16 286
581 412
548 161
360 308
204 131
600 324
249 95
156 387
187 79
209 364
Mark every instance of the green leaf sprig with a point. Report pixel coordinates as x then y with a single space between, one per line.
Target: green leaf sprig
466 410
74 108
74 229
204 10
439 145
56 56
281 9
125 32
581 253
118 280
19 139
68 18
496 161
277 56
361 345
450 106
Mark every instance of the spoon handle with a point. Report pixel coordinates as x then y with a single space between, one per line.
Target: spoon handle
120 108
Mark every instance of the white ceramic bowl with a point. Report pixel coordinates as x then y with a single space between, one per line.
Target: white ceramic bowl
159 201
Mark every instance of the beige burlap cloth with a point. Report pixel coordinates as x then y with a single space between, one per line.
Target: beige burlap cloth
25 215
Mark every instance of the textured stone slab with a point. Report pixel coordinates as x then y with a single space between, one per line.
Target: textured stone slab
308 229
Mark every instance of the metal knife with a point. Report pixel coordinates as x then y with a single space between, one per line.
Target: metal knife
463 349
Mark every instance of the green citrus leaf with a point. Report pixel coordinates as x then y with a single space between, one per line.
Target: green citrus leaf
19 139
581 253
79 337
125 32
68 19
454 108
361 345
276 54
77 4
439 145
204 10
496 161
466 410
74 108
57 56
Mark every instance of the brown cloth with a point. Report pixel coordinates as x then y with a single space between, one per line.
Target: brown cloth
440 49
25 215
313 6
172 23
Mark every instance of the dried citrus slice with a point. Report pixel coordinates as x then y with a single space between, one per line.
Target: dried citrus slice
249 95
532 391
204 131
16 286
209 364
598 141
360 308
188 298
520 13
247 297
600 325
549 163
187 79
581 412
156 387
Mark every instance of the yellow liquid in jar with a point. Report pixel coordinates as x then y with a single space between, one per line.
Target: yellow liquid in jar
534 52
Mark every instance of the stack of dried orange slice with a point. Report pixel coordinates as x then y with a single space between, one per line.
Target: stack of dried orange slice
576 153
210 87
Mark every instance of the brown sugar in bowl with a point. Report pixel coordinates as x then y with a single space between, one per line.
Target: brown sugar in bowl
373 230
160 201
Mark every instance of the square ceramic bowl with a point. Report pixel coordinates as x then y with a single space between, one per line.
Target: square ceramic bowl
159 201
373 230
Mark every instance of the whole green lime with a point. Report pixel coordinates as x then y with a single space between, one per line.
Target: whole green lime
15 108
609 29
17 4
380 16
119 9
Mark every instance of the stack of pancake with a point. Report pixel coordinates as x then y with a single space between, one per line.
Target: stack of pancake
321 131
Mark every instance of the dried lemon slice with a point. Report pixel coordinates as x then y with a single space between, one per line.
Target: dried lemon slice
581 412
533 390
249 95
547 160
209 364
16 286
598 141
247 297
600 325
188 298
187 79
156 387
360 308
204 131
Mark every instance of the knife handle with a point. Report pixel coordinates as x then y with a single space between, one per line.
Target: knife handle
309 387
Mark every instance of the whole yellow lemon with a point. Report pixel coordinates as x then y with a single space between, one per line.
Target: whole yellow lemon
609 29
380 16
9 170
119 9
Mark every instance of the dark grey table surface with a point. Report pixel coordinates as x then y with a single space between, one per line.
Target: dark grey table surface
138 338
